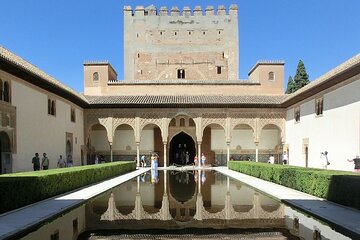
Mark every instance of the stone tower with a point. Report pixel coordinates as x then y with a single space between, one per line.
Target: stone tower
189 45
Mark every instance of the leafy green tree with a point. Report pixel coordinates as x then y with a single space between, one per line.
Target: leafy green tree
290 85
301 79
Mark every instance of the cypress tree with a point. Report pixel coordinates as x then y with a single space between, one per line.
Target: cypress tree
290 86
301 77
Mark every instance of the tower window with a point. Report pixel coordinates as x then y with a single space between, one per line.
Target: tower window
218 68
181 73
96 76
271 76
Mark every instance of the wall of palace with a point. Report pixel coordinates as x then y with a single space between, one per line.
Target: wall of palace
37 130
335 129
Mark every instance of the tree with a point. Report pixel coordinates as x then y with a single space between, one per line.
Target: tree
301 79
290 86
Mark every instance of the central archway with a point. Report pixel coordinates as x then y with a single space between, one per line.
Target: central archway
180 145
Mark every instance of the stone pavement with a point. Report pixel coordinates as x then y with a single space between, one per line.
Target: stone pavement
341 216
29 216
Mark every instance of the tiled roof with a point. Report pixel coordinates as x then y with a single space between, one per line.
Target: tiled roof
25 65
184 82
185 100
266 62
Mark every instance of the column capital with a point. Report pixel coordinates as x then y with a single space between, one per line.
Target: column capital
256 143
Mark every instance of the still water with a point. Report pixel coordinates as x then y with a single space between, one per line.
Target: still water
186 204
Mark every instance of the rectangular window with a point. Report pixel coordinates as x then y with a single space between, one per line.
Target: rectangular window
218 70
72 115
319 106
297 114
181 73
75 226
55 236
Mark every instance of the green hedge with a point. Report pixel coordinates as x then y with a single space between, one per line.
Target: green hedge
337 186
20 189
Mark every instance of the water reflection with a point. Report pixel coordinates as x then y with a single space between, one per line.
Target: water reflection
183 199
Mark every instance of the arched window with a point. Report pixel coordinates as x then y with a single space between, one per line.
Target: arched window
191 123
271 76
72 115
6 92
49 106
53 108
182 122
96 76
173 122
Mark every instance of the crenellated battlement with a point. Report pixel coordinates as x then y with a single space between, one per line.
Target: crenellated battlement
151 10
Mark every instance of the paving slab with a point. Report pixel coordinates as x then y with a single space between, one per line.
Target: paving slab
341 216
31 215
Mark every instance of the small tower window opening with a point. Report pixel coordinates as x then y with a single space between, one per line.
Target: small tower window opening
297 114
218 69
175 33
271 76
138 55
51 107
319 106
96 76
181 73
161 32
204 32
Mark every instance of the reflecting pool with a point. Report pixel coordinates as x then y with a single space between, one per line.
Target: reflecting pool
185 204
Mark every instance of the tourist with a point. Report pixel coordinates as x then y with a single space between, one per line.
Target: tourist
69 161
203 159
45 162
152 159
356 161
324 159
196 160
285 158
36 162
96 159
142 161
61 162
187 156
271 159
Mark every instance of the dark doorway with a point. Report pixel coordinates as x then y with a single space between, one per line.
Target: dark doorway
180 146
5 153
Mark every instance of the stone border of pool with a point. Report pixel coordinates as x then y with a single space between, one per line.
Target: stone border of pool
24 218
345 218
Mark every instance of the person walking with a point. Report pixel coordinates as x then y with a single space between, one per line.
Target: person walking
61 162
45 162
36 162
69 161
324 159
356 161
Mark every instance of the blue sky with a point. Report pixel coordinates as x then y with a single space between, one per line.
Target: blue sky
58 36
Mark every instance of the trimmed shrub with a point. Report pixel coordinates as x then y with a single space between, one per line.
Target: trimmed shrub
337 186
20 189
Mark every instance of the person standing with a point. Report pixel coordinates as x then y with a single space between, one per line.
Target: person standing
61 162
69 161
285 158
45 162
203 159
324 159
36 162
196 160
356 161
